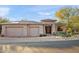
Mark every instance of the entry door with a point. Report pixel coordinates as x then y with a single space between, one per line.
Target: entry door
48 29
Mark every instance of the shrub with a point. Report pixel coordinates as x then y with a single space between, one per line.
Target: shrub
41 35
60 33
69 32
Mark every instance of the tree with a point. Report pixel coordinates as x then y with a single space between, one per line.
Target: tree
69 15
4 20
75 22
65 14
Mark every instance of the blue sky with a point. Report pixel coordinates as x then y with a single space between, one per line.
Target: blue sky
29 12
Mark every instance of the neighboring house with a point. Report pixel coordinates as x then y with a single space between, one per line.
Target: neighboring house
29 28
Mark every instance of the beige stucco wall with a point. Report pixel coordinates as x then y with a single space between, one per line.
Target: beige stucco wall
47 23
40 28
3 30
25 30
53 28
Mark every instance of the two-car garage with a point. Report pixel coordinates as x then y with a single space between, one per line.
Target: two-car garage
20 31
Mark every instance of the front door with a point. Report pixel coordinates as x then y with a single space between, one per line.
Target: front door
48 29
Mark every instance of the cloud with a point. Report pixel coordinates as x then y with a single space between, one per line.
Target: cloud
44 13
4 11
17 18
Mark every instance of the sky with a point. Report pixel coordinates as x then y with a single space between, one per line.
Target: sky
29 12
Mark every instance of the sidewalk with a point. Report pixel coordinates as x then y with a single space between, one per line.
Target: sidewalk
35 39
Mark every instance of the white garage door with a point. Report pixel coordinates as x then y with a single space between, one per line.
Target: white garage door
34 31
14 32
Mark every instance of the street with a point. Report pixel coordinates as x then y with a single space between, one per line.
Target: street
36 45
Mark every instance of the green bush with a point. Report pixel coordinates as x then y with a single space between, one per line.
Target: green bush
60 33
41 35
69 32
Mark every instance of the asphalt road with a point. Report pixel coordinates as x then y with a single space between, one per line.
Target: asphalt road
57 44
66 46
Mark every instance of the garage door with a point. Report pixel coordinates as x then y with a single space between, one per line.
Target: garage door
34 31
14 31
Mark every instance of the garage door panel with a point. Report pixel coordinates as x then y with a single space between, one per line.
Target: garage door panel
34 31
14 32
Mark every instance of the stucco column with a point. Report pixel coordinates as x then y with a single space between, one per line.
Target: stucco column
25 30
44 29
53 28
41 29
3 30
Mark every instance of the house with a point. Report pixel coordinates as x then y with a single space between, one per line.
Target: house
29 28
